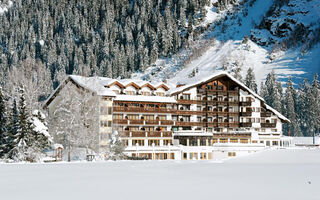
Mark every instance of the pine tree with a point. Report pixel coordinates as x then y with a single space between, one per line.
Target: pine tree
24 138
290 110
42 138
315 104
263 90
3 125
13 125
274 91
116 147
250 80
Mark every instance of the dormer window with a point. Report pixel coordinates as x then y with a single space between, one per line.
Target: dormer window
160 94
146 93
130 92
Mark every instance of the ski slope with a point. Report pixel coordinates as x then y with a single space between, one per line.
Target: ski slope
272 174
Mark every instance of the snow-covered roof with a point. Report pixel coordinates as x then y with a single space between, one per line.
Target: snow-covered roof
93 84
141 98
221 74
108 81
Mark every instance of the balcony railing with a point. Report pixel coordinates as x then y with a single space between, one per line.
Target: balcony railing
268 125
246 124
189 123
146 133
265 114
245 103
166 122
245 114
148 110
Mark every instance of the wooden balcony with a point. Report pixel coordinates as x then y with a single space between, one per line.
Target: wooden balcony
145 133
154 134
143 110
245 114
136 121
138 133
245 124
189 123
184 101
166 134
120 121
166 122
187 112
245 103
265 114
152 122
268 125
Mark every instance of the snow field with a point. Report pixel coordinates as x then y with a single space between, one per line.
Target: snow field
272 174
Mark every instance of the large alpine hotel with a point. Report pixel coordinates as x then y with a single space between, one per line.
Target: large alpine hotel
213 118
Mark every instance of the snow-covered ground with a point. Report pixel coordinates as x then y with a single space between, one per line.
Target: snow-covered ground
272 174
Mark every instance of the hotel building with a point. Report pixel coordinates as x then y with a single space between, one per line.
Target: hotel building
209 119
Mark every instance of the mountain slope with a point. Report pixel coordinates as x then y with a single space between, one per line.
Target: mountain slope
230 50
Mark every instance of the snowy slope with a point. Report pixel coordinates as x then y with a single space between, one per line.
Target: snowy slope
4 6
273 174
229 28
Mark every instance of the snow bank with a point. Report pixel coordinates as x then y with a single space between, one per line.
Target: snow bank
272 174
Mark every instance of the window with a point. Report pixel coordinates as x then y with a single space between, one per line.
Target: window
162 117
203 156
185 156
203 142
193 156
133 117
258 120
243 141
214 141
109 110
223 140
186 96
145 93
274 130
130 92
117 116
116 91
273 121
231 154
134 128
137 142
109 123
233 140
155 142
167 142
160 94
149 117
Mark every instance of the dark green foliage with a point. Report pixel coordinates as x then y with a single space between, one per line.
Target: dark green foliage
3 125
107 38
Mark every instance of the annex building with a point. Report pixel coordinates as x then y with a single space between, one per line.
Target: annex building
211 118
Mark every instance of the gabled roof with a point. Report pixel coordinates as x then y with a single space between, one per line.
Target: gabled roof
116 83
164 86
149 86
222 74
133 85
88 83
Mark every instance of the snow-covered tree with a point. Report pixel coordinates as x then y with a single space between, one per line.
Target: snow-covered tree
3 125
75 121
35 78
274 91
116 147
290 110
250 80
42 138
24 138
